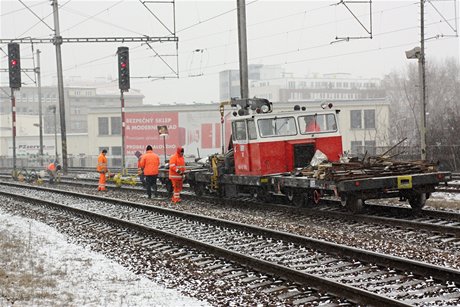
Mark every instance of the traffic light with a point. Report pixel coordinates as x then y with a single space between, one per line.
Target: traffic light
123 68
14 65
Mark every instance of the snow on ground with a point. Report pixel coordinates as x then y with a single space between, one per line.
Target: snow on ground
446 196
39 268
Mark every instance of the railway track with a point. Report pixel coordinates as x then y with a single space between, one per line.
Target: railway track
444 226
174 264
429 220
402 235
453 187
362 276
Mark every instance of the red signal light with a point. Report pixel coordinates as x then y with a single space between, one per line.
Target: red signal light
14 62
123 65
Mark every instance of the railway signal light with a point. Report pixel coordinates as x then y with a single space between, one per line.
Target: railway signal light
14 65
123 68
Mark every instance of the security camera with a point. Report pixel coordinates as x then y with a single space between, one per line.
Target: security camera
413 53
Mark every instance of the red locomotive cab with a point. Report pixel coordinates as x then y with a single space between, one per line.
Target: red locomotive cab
276 143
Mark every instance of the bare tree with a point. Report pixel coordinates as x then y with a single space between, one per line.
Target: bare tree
443 109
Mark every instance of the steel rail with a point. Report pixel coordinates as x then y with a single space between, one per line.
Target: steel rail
407 221
417 267
330 286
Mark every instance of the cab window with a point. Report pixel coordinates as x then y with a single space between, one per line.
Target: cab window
282 126
239 130
315 123
252 129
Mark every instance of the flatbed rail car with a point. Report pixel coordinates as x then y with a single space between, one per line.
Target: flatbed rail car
301 191
268 147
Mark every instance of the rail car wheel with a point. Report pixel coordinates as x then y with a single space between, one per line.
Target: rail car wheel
260 194
169 187
199 189
354 204
417 201
317 196
296 198
289 195
300 200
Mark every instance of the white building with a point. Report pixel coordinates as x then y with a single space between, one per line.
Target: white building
196 127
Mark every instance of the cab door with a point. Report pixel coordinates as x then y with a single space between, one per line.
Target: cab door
241 147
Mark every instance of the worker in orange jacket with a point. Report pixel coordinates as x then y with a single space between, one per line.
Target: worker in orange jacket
150 162
176 173
102 170
52 169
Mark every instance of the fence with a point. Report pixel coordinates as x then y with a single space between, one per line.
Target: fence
73 161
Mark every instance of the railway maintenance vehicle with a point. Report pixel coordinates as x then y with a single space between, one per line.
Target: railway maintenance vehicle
297 155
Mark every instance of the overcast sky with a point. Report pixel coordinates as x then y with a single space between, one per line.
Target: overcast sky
300 35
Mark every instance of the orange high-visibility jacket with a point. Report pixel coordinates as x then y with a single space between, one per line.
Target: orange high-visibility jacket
52 167
102 164
176 166
150 163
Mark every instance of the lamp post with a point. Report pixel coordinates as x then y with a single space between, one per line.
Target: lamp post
163 132
53 109
416 53
419 53
163 135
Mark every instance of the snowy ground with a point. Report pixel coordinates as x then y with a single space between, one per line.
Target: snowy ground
39 268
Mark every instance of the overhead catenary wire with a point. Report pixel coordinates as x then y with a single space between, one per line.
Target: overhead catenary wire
332 56
212 18
279 33
41 19
290 51
22 9
91 17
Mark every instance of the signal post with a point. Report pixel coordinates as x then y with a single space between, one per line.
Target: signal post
14 67
123 85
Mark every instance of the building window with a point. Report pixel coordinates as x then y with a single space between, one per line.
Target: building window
116 150
355 119
369 119
291 84
356 147
115 124
370 147
305 95
103 124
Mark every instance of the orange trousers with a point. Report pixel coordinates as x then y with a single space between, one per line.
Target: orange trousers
101 186
177 188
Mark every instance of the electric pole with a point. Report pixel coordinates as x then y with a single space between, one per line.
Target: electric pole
243 48
58 42
422 82
40 121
